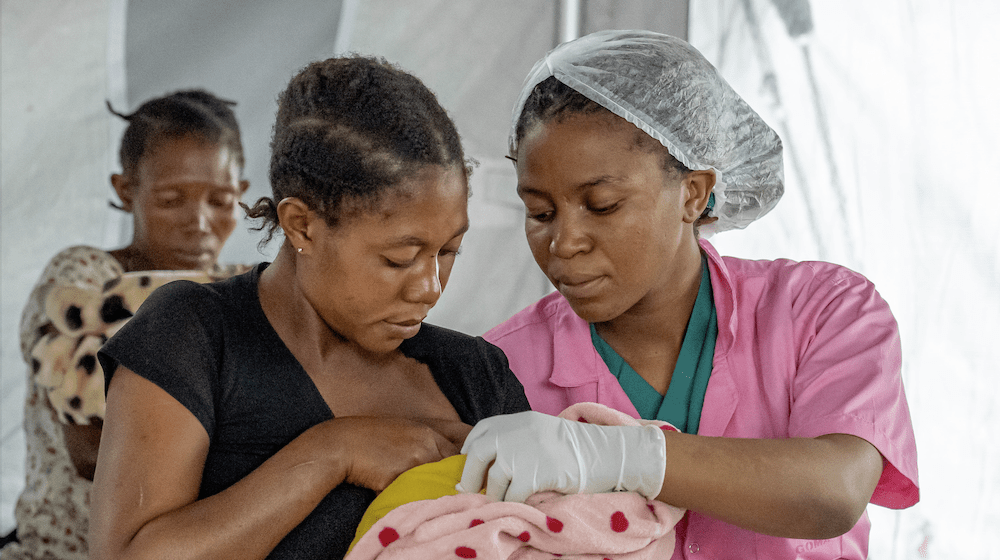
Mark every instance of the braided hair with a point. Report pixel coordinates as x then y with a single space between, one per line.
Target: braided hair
195 112
348 131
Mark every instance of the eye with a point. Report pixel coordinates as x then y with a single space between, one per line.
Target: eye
397 264
603 208
539 215
401 257
446 252
169 199
536 207
222 200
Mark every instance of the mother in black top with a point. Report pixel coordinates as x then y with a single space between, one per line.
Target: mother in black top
258 417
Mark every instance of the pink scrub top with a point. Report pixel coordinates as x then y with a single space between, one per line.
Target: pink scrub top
804 349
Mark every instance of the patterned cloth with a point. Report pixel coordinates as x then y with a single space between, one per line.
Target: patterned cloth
53 511
612 525
82 298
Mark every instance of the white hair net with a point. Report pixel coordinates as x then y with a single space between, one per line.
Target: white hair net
665 87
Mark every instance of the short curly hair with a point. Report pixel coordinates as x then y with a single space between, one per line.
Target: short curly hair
348 130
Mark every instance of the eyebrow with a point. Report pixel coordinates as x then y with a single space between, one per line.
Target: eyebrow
177 185
414 241
521 190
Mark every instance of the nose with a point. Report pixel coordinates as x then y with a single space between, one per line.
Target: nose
201 217
425 284
568 236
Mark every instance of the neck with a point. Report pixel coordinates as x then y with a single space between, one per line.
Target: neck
133 260
649 336
295 320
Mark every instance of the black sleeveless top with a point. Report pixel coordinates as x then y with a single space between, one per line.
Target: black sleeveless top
211 347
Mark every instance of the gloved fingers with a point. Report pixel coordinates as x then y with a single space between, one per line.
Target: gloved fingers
498 484
476 434
479 457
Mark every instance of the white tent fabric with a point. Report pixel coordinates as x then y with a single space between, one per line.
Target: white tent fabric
55 142
475 56
62 59
889 113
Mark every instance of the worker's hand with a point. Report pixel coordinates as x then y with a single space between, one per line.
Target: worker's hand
532 452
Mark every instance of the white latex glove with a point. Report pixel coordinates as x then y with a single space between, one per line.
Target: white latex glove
533 452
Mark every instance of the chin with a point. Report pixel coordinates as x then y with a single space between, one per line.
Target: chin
379 345
206 260
380 348
594 311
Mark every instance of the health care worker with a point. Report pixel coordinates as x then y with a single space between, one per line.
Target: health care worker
783 377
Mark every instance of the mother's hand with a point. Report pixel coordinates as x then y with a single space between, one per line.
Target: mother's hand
454 430
146 494
380 449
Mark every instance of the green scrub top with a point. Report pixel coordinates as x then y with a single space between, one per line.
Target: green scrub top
682 404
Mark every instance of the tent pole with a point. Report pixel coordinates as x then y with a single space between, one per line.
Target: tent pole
570 20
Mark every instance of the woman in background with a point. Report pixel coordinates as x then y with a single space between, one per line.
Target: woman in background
259 416
182 160
783 377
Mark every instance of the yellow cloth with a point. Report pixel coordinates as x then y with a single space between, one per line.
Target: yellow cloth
423 482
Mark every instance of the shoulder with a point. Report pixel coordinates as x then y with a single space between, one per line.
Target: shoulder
184 304
543 316
180 331
803 280
445 343
82 264
472 373
194 291
78 272
73 279
793 273
179 296
803 286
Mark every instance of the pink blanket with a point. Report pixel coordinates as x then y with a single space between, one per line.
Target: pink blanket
618 525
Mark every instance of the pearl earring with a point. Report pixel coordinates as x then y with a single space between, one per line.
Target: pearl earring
299 249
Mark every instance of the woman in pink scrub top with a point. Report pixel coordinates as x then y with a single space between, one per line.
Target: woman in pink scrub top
784 377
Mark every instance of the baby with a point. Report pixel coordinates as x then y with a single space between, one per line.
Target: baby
421 515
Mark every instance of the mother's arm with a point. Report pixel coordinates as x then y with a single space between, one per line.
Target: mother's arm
82 443
153 450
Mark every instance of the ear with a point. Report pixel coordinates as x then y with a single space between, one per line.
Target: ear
244 185
124 190
298 222
698 187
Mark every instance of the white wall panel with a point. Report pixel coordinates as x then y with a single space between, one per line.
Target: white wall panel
889 113
54 174
63 58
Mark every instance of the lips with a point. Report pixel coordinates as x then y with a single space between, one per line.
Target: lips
579 286
198 254
407 322
194 250
192 259
405 328
575 279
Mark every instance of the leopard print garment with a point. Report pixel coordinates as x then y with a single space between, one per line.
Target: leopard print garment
52 512
82 298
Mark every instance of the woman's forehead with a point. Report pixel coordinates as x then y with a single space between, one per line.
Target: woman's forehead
434 200
574 159
579 136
